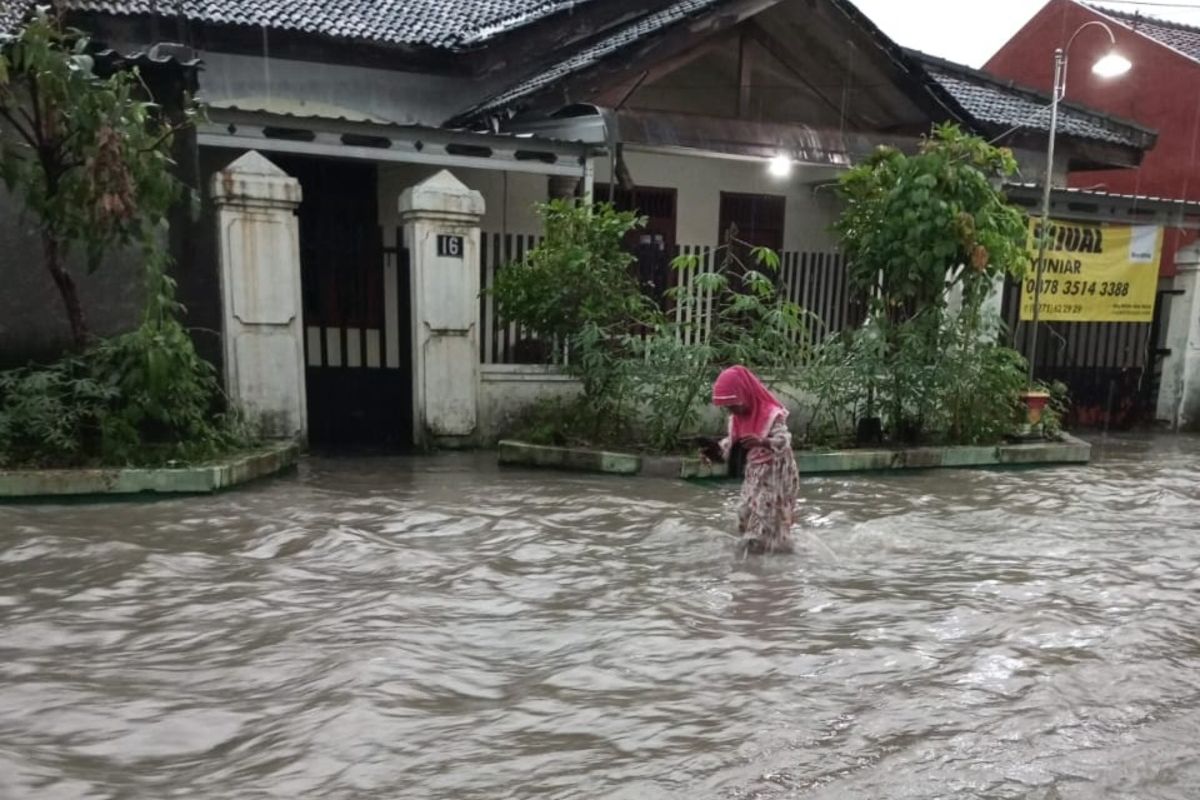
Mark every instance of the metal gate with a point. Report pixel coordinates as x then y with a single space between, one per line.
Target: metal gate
1107 366
356 310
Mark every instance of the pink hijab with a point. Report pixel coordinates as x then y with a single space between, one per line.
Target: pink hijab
738 386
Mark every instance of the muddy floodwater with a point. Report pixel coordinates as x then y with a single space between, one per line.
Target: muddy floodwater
438 628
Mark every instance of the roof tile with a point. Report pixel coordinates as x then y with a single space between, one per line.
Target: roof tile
997 102
647 25
432 23
1184 38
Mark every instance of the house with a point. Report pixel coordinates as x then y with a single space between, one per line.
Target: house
351 148
1159 92
1166 67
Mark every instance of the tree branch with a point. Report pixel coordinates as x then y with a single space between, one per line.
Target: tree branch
171 131
25 134
37 109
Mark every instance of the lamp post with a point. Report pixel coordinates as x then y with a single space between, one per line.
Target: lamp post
1111 65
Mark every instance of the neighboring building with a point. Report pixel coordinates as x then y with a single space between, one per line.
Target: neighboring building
674 109
1160 92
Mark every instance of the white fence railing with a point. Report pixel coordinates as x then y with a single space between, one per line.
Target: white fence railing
815 280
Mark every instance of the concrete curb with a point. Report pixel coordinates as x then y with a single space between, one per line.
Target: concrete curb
201 479
569 459
1070 450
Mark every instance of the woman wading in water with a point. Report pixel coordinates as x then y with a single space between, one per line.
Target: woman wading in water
758 423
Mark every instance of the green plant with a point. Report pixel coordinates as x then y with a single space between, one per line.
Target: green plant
672 381
645 374
578 275
838 382
736 310
567 423
52 415
979 384
169 396
914 227
88 155
142 398
1056 409
576 287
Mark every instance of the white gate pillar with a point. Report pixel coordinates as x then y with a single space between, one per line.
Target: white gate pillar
259 240
441 230
1179 389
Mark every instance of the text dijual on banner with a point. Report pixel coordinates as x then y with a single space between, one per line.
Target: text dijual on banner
1094 272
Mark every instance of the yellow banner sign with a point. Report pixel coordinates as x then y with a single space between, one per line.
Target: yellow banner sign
1094 272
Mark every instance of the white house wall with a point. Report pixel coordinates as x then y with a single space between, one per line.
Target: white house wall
511 197
699 181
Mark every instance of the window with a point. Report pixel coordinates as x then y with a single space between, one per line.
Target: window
654 245
758 217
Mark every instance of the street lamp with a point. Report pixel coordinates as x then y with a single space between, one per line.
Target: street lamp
1111 65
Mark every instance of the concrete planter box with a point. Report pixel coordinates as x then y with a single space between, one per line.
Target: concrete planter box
568 458
202 479
1068 451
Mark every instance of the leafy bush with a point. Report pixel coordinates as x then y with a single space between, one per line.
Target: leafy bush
967 394
673 378
576 287
839 381
577 276
52 415
1056 409
645 373
978 383
737 312
142 398
88 154
913 228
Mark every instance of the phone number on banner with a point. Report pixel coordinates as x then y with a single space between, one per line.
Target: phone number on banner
1068 288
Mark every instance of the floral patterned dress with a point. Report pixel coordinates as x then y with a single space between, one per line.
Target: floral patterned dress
771 485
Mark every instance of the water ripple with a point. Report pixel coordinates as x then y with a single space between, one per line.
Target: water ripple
435 628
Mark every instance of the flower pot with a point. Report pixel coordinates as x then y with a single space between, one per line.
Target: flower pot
1035 403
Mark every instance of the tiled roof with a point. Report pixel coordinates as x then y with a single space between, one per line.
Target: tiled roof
11 13
1096 194
1184 38
432 23
1004 104
608 46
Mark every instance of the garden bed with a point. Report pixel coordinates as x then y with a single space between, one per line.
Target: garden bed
235 469
1067 450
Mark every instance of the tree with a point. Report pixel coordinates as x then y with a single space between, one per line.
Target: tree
914 226
87 153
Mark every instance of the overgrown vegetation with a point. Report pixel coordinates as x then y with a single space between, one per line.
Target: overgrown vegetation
645 372
89 157
917 230
144 397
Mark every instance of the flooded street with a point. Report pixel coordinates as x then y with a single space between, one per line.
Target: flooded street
396 628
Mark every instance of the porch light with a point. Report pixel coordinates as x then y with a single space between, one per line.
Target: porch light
780 166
